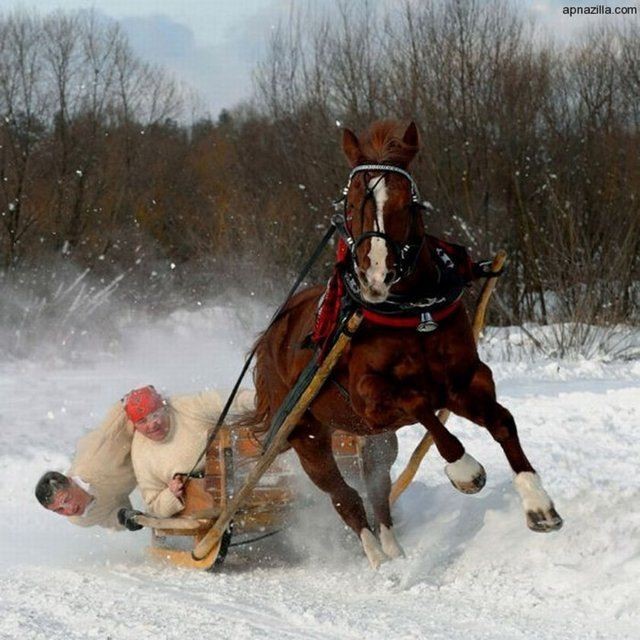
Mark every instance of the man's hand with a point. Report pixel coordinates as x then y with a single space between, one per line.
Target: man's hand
126 519
176 486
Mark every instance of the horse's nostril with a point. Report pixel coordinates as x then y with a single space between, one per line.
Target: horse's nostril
390 277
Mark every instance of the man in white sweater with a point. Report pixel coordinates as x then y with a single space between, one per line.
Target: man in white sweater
100 479
144 440
169 437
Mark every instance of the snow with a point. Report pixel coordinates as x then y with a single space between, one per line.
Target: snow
473 569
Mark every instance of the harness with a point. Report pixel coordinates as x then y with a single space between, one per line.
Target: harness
397 311
406 253
424 313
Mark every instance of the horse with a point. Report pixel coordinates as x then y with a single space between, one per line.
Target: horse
391 374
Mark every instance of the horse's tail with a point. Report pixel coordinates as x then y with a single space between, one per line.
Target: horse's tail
258 419
269 387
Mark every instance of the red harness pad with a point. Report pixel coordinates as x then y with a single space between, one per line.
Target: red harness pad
457 254
329 304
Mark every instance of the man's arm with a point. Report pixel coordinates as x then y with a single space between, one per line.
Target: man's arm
159 498
103 456
103 514
103 460
204 406
111 520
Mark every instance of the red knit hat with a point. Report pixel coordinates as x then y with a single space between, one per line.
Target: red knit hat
141 402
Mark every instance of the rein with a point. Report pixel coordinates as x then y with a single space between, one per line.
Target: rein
225 411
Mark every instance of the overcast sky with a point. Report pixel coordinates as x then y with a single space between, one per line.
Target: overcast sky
214 44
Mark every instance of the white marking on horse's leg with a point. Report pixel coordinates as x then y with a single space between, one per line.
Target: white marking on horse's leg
541 514
372 549
532 493
389 543
377 271
466 474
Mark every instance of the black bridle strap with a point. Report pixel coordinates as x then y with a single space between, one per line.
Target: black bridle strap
369 235
406 253
225 411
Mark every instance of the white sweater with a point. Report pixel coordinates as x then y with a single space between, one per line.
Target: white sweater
156 462
103 461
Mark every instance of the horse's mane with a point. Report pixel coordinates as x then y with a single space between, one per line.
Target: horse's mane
382 143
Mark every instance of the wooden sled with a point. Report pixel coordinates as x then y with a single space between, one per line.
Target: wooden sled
267 509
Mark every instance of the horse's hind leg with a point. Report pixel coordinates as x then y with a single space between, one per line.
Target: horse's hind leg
379 452
477 402
312 443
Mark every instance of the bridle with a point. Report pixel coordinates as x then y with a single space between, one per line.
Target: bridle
405 253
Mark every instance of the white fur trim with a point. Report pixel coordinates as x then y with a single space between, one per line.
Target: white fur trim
532 493
372 548
389 543
463 470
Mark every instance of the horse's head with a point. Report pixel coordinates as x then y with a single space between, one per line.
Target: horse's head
382 207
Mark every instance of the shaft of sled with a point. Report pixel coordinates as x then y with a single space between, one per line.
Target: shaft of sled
485 295
215 533
409 472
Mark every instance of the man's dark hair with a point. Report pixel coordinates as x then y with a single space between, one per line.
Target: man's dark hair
47 487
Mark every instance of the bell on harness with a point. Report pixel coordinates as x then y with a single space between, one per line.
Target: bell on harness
427 323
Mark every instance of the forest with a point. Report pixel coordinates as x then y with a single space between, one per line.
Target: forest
108 164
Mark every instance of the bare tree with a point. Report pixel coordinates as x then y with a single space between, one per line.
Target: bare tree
23 108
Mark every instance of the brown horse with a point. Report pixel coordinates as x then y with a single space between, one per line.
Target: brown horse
394 375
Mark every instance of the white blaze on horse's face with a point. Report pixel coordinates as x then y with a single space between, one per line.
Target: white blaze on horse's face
374 280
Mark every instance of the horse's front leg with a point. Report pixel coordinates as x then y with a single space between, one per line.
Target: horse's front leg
477 402
382 402
465 473
312 442
379 452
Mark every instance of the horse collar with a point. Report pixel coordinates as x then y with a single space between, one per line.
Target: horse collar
424 322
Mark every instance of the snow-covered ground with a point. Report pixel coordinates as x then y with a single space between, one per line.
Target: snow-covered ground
473 569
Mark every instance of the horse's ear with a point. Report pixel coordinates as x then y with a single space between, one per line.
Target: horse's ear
411 137
351 147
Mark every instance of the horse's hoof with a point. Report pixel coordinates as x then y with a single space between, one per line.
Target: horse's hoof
372 549
541 514
390 545
467 475
544 521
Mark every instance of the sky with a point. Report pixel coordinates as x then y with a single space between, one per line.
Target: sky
214 45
